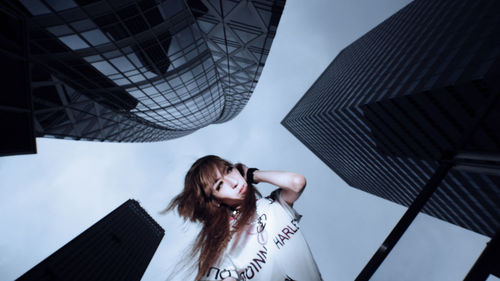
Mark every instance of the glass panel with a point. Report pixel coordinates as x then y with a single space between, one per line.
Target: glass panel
180 61
206 26
163 86
83 25
74 42
132 72
197 34
59 30
182 91
185 38
93 58
265 15
207 64
186 77
174 113
115 76
174 47
190 104
135 60
245 35
95 37
175 82
191 55
112 54
150 75
202 48
137 78
105 68
127 50
197 70
35 7
60 5
170 8
122 63
141 106
150 91
122 82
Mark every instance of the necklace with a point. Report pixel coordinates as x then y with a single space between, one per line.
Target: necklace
235 213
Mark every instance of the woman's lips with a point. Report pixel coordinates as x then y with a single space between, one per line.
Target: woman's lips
243 189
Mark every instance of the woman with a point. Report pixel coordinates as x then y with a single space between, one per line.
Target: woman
244 236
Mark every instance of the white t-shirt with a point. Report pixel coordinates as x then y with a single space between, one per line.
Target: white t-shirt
272 248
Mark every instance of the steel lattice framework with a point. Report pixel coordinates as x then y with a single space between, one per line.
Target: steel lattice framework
145 70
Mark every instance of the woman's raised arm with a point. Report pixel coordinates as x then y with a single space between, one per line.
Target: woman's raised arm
292 184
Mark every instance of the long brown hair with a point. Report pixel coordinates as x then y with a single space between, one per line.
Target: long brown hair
196 203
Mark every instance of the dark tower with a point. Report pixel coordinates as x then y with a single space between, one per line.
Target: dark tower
133 70
118 247
411 109
392 103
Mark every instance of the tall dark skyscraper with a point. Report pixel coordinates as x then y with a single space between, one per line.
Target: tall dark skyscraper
407 96
118 247
131 70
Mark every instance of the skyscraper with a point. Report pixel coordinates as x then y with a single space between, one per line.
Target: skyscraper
419 89
118 247
135 70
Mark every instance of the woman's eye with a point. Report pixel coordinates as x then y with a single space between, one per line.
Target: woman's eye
218 186
229 169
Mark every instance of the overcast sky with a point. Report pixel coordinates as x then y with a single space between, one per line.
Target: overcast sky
48 198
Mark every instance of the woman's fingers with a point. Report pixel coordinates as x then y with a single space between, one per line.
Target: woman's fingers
242 168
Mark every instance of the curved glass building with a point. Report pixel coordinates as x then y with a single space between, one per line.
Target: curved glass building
140 70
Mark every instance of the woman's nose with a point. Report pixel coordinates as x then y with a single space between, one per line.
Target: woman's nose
232 182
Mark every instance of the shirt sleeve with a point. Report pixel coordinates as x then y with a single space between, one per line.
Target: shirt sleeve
276 196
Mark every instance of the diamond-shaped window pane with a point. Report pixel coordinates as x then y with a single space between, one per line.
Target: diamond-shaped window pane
74 42
60 5
35 7
123 64
60 30
105 68
95 37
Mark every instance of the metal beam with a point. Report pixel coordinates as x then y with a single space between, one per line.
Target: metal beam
450 160
404 222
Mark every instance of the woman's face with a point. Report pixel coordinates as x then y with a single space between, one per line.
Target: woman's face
229 187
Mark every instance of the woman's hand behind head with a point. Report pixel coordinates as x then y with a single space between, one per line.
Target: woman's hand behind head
242 168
